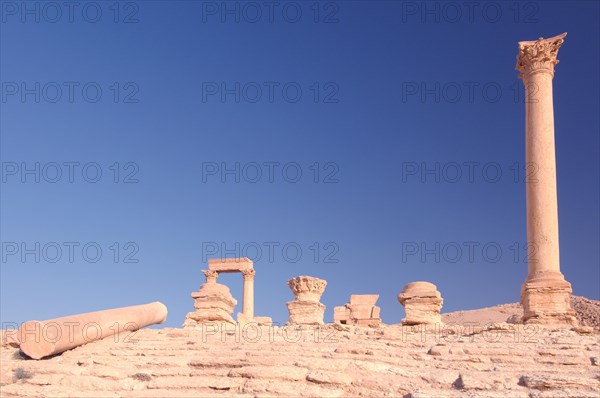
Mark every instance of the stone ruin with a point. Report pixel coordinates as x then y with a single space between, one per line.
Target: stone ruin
360 311
42 339
422 304
545 294
213 302
306 309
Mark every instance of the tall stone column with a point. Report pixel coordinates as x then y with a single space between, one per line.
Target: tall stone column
248 303
545 295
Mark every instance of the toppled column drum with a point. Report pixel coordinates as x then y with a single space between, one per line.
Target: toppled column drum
422 303
39 339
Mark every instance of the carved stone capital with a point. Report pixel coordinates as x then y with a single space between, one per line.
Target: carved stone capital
538 56
307 288
211 276
248 274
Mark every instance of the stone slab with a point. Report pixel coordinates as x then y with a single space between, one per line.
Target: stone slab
230 264
367 299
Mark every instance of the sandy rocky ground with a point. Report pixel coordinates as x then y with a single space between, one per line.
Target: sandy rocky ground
465 359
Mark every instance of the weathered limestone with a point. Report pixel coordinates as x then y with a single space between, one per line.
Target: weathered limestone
39 339
341 315
360 311
264 320
246 267
230 264
307 288
260 320
306 309
545 294
213 302
9 338
306 312
211 276
422 303
248 303
319 362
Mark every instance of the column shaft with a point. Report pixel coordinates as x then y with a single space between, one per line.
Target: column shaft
40 339
248 304
546 294
540 171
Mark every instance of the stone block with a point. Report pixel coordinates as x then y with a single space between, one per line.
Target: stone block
306 312
361 311
341 315
230 264
367 299
213 302
422 303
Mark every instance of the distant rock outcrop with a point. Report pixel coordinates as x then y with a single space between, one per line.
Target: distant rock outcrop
587 312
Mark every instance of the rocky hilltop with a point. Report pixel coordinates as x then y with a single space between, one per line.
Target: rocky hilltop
587 312
462 359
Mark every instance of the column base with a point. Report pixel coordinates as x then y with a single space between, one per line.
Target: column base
305 312
244 319
545 298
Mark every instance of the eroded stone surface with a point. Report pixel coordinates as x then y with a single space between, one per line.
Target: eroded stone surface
213 302
394 361
422 303
307 288
230 264
361 311
306 312
587 313
39 339
306 309
9 338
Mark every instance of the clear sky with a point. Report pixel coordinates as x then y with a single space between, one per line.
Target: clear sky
368 143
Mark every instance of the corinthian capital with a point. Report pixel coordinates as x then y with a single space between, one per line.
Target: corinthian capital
307 288
539 56
211 276
248 274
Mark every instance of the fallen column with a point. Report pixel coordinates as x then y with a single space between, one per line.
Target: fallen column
39 339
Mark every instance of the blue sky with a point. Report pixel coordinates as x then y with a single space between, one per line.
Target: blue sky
371 144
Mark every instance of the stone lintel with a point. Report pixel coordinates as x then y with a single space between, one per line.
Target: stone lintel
230 264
